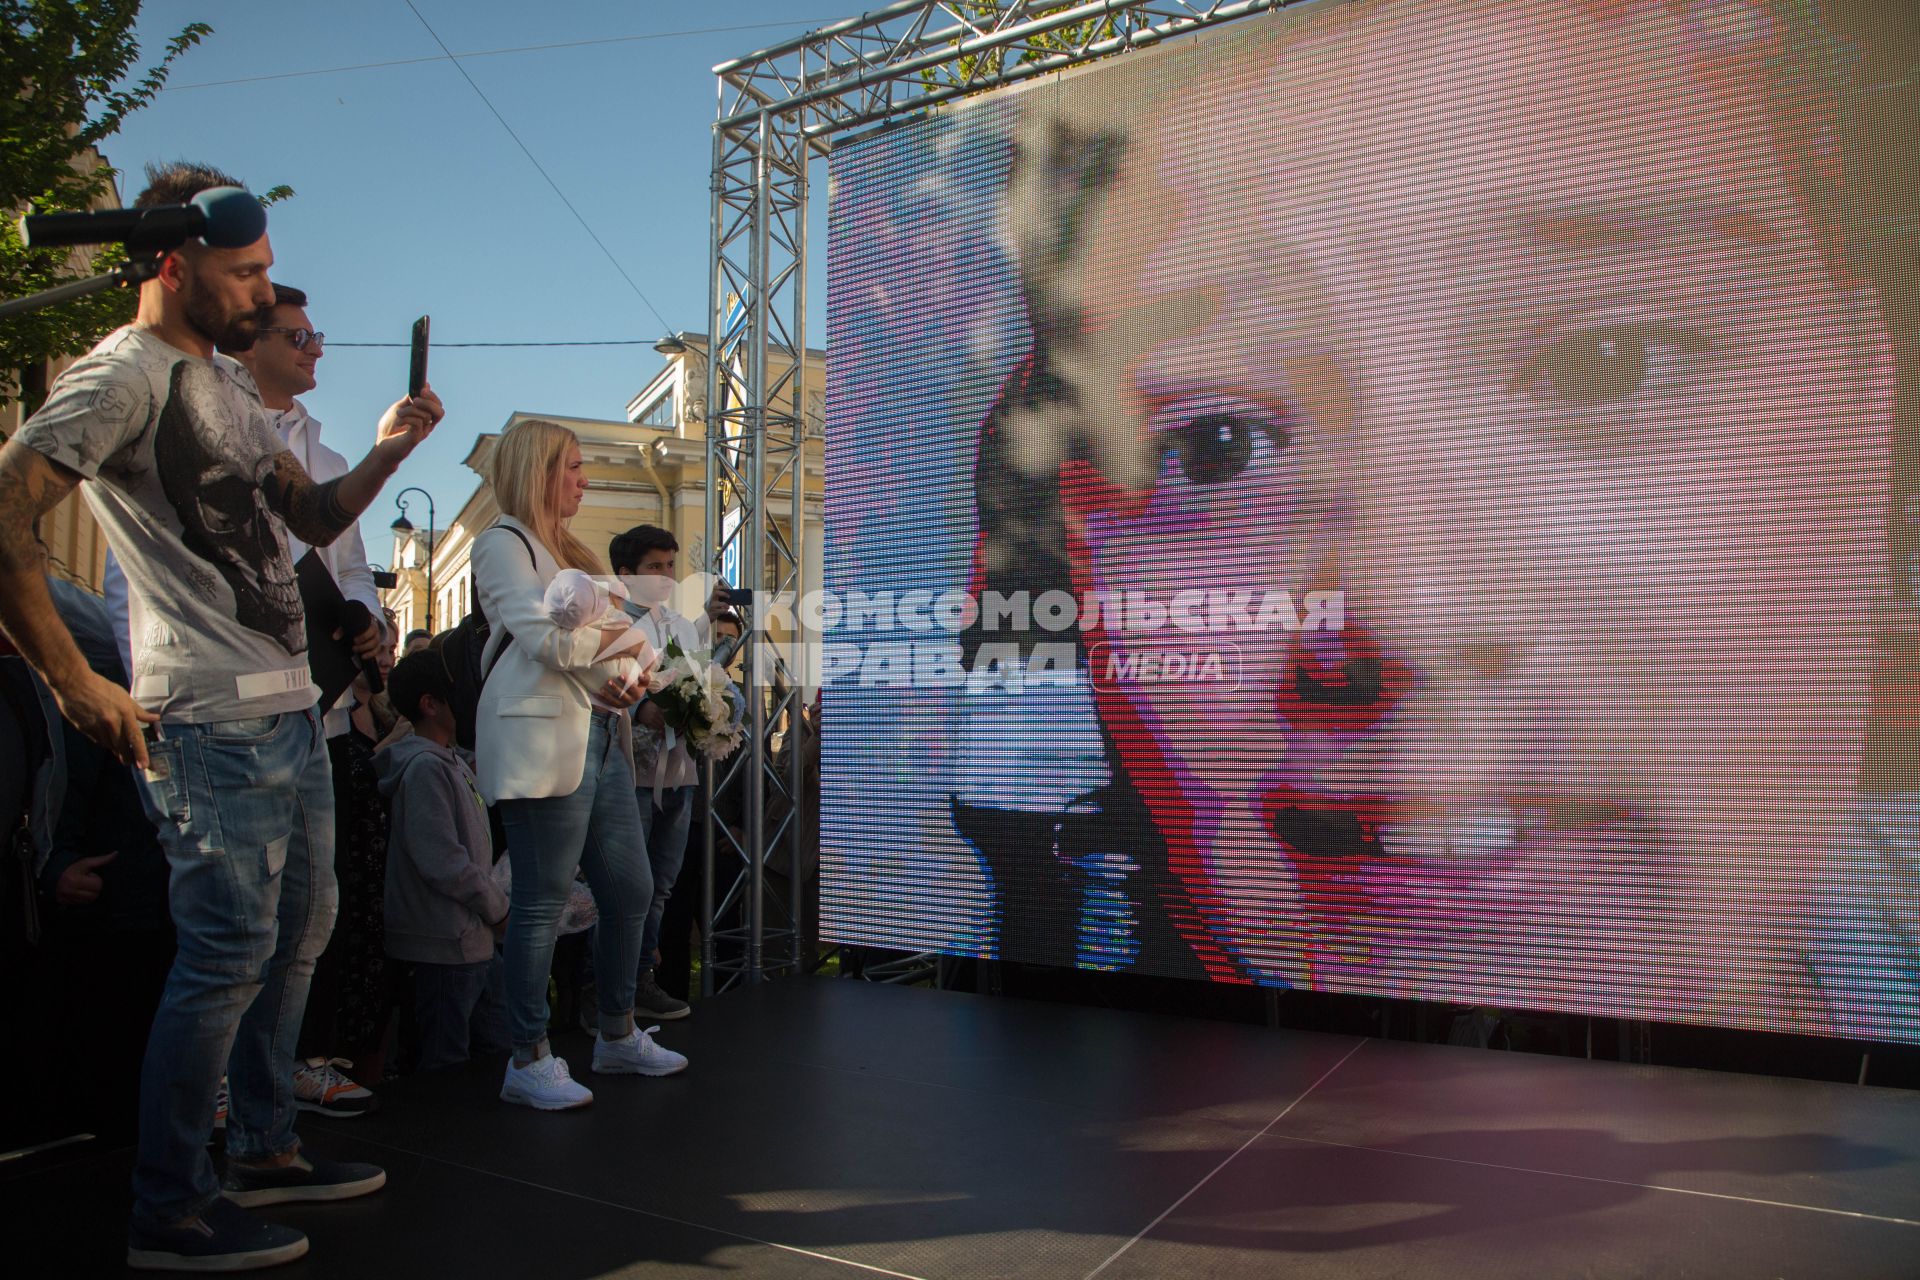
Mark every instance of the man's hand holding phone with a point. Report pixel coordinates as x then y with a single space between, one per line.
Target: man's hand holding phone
405 424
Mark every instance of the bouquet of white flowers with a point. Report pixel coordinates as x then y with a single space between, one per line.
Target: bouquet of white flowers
699 702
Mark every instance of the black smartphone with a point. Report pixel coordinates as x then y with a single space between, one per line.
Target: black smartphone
417 370
740 596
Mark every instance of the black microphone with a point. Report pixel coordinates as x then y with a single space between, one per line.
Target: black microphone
221 217
354 620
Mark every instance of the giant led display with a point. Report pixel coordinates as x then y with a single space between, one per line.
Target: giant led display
1412 498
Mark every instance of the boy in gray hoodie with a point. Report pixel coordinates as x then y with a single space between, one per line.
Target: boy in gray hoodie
443 911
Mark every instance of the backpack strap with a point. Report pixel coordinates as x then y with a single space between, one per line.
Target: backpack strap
506 636
531 558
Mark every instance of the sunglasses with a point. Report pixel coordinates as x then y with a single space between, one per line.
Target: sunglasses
300 337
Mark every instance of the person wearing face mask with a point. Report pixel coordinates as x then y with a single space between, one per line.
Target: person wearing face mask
645 556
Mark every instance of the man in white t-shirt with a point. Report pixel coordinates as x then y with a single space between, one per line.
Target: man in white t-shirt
284 362
167 440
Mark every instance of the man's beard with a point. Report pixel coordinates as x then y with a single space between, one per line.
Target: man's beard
228 333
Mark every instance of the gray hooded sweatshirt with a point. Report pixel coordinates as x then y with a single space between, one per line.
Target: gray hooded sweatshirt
441 902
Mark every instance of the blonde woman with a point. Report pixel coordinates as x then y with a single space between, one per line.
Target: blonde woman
551 739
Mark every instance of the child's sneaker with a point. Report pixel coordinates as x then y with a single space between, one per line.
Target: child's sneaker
636 1055
320 1085
224 1237
546 1084
221 1102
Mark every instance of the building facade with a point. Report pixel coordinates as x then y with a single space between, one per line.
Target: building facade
647 468
74 539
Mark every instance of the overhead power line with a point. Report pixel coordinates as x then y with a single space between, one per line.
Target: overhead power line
492 53
534 161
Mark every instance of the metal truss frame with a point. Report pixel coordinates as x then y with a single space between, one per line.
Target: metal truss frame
781 109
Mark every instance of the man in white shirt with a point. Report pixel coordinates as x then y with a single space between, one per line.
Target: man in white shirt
663 769
283 363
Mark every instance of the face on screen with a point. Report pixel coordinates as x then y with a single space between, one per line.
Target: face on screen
1510 324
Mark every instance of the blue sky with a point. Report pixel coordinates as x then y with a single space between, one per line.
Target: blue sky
412 197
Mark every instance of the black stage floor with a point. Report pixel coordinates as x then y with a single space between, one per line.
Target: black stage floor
831 1128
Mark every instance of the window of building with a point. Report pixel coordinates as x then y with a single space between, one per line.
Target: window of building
659 413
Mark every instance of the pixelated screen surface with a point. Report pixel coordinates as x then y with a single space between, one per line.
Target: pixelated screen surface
1410 498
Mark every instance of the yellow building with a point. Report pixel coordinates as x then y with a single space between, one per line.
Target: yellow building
78 546
648 468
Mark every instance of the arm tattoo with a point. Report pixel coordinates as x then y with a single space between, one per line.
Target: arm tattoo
31 485
313 512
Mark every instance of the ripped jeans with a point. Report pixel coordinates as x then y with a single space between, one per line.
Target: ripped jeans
245 813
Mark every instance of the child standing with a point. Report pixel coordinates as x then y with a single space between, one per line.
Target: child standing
444 914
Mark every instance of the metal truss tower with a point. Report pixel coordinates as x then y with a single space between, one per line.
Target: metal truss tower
781 109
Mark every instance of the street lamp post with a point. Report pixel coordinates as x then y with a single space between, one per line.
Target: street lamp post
404 525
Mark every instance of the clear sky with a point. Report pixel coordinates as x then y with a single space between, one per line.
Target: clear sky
412 197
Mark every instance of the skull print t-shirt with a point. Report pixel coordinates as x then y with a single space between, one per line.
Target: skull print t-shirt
178 457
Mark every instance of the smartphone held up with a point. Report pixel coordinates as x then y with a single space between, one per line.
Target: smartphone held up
417 365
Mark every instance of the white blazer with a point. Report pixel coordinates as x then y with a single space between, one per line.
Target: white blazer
530 730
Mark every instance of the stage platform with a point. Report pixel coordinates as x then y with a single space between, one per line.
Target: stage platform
832 1128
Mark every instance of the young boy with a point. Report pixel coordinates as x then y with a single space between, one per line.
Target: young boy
443 911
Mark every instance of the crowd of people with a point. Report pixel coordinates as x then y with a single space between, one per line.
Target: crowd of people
268 895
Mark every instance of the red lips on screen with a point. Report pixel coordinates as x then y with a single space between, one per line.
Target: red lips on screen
1337 684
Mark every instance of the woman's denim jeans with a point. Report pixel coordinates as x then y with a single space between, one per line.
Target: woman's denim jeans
245 813
597 830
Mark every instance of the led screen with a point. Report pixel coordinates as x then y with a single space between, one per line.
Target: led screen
1408 498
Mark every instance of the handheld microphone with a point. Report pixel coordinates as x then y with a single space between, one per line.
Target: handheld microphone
221 217
356 618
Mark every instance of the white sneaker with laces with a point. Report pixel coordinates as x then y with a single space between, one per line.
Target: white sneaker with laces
636 1055
545 1084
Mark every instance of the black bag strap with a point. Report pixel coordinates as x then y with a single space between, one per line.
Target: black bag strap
506 636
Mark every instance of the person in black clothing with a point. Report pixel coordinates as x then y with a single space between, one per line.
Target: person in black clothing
107 942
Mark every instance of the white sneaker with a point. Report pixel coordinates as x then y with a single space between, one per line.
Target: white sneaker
545 1083
636 1055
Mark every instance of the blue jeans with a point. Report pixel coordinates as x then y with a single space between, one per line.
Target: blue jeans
245 813
597 830
461 1010
665 831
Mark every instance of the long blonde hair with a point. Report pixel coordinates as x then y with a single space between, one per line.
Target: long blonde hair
525 473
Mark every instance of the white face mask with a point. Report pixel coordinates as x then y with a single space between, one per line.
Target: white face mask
649 590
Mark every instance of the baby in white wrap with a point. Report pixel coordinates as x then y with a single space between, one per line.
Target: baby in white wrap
575 599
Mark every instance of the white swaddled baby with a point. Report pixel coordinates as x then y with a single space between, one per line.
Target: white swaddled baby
575 599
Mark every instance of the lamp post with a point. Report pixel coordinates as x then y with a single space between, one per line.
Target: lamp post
404 525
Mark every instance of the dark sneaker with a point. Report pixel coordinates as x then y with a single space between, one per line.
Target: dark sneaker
321 1086
649 1001
304 1179
224 1237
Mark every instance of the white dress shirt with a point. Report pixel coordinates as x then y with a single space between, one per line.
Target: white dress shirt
346 558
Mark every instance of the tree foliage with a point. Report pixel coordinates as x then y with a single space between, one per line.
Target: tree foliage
75 78
988 13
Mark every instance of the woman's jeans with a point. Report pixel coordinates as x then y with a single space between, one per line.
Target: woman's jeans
244 810
597 830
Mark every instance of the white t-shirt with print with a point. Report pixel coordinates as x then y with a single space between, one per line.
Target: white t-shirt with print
178 462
